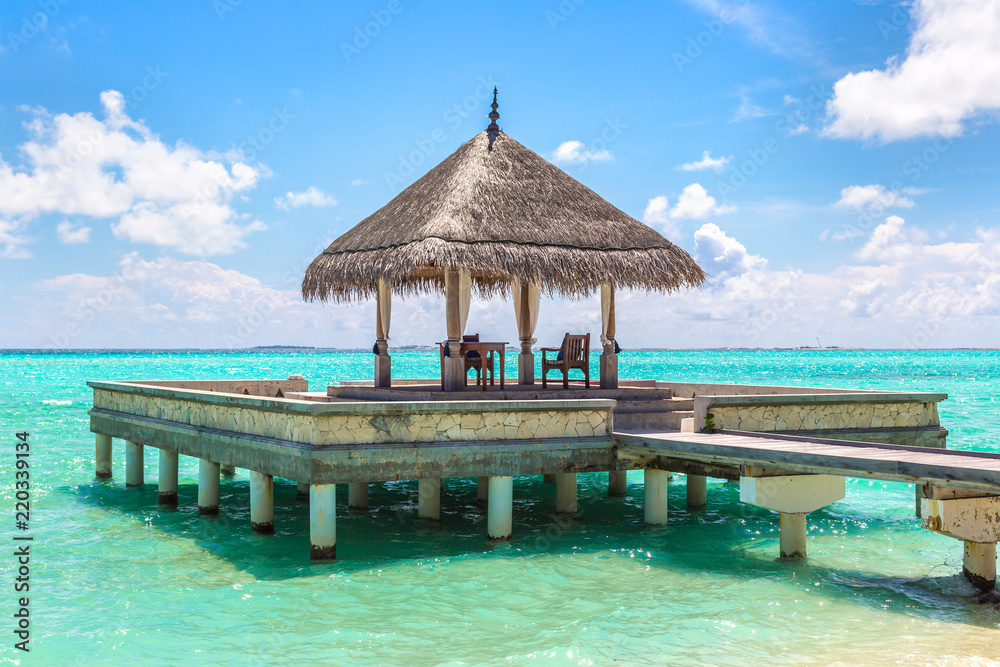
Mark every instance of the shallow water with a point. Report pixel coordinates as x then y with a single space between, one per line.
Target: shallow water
116 580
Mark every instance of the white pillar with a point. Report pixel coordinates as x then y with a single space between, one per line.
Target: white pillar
655 485
566 493
383 310
134 465
357 495
500 508
697 490
617 482
483 488
168 477
261 502
102 455
979 565
323 521
792 534
227 470
526 301
608 359
208 487
429 500
302 490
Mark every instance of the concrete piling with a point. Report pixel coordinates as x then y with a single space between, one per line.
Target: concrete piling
168 477
483 488
261 502
617 482
697 491
134 464
566 493
500 508
429 498
208 487
549 478
102 447
655 486
792 534
979 564
323 521
357 496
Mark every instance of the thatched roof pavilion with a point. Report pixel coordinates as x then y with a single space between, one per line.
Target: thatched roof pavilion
493 216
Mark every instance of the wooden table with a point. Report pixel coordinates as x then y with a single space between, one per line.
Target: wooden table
485 348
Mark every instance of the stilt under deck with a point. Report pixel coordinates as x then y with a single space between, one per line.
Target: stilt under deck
347 435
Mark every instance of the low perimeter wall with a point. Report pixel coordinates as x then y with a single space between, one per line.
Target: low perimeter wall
887 417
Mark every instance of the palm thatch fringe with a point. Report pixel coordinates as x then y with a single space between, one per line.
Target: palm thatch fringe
500 213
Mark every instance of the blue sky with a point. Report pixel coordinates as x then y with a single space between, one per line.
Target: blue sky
167 170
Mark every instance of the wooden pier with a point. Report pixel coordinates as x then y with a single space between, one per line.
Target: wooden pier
790 451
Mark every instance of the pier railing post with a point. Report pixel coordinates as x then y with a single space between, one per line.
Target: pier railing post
208 487
261 502
500 508
655 487
168 477
323 521
102 455
134 464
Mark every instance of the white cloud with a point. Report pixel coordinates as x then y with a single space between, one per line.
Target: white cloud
572 152
865 196
116 167
311 196
948 76
72 234
890 242
722 255
358 182
747 109
12 242
706 162
695 203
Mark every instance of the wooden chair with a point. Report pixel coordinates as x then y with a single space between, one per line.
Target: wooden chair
574 353
473 360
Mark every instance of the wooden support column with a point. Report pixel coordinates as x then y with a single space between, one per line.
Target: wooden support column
697 490
429 498
454 364
383 308
566 493
609 359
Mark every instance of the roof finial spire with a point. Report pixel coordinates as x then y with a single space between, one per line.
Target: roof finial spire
493 130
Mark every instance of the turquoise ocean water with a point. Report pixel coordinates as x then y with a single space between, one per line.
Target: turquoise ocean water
116 580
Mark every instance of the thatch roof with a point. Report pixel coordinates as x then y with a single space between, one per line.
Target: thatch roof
501 212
